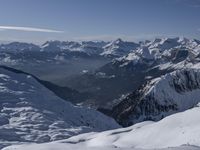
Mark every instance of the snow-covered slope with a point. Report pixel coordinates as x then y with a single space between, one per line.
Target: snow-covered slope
179 130
118 48
31 113
173 92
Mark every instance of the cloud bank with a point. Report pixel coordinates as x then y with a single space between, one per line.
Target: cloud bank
29 29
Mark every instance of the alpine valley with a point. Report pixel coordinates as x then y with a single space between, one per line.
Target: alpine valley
100 95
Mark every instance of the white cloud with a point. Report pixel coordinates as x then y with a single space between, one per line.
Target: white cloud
29 29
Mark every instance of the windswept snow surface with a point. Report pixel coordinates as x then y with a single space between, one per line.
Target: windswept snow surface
179 130
63 146
31 113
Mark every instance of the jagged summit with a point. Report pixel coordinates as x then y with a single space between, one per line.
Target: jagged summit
119 48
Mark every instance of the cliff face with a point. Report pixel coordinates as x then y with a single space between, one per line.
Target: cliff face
160 97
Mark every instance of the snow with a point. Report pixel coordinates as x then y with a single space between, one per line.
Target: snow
31 113
179 89
118 48
8 60
163 88
174 53
160 97
63 146
181 131
88 47
133 57
160 50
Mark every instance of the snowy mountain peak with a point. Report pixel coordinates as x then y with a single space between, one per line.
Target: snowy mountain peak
117 41
119 48
166 52
164 43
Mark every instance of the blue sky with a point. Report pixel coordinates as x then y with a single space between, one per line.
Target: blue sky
41 20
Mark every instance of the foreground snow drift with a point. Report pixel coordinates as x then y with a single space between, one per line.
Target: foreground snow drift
63 146
31 113
173 131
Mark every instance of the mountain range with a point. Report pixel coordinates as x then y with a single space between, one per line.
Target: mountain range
60 89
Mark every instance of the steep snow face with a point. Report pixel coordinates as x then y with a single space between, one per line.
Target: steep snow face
119 48
31 113
173 131
173 92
